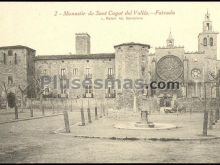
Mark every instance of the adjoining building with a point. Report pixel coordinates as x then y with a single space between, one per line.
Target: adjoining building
20 67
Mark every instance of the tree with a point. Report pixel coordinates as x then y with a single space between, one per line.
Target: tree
23 92
4 87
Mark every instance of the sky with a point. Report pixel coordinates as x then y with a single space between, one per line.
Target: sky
35 25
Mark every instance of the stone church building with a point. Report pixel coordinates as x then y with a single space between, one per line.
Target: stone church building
21 67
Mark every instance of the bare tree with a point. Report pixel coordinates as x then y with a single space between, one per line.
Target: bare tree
23 92
39 90
4 87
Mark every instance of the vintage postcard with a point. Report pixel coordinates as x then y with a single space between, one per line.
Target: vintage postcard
109 82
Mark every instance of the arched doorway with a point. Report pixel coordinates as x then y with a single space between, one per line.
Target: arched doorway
165 100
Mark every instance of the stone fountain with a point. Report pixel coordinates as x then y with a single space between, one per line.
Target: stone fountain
144 123
144 120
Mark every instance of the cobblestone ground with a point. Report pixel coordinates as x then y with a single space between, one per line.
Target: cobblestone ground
34 141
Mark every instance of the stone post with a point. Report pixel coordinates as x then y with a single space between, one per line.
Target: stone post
101 110
211 120
82 115
144 116
205 121
41 104
135 104
16 112
31 108
216 115
96 113
66 121
89 114
71 106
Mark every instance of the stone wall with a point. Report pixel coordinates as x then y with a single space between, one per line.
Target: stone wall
20 71
98 70
198 105
130 63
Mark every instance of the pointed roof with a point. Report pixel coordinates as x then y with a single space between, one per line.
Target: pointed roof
207 16
170 37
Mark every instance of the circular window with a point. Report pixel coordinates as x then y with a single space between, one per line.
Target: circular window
169 68
196 73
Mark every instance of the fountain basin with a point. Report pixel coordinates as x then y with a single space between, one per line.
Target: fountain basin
143 126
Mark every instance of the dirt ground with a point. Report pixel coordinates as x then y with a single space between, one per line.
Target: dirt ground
34 141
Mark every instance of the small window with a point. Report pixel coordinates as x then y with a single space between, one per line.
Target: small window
205 41
88 89
16 61
45 71
87 60
10 80
110 71
207 26
46 90
131 47
63 71
211 41
4 56
75 71
10 52
88 70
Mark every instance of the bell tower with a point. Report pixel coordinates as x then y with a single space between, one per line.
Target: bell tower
207 23
207 40
170 41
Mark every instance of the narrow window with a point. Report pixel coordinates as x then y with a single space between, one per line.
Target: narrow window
10 80
10 53
16 61
110 71
62 72
4 56
211 41
75 71
207 26
89 89
205 41
109 90
88 71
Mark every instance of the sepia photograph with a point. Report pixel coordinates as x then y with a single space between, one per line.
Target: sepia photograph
109 82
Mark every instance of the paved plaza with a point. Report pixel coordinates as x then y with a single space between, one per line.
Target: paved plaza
44 139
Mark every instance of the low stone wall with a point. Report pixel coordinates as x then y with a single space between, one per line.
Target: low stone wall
76 104
198 105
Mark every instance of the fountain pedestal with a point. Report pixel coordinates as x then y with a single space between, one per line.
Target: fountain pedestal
144 121
144 116
143 124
